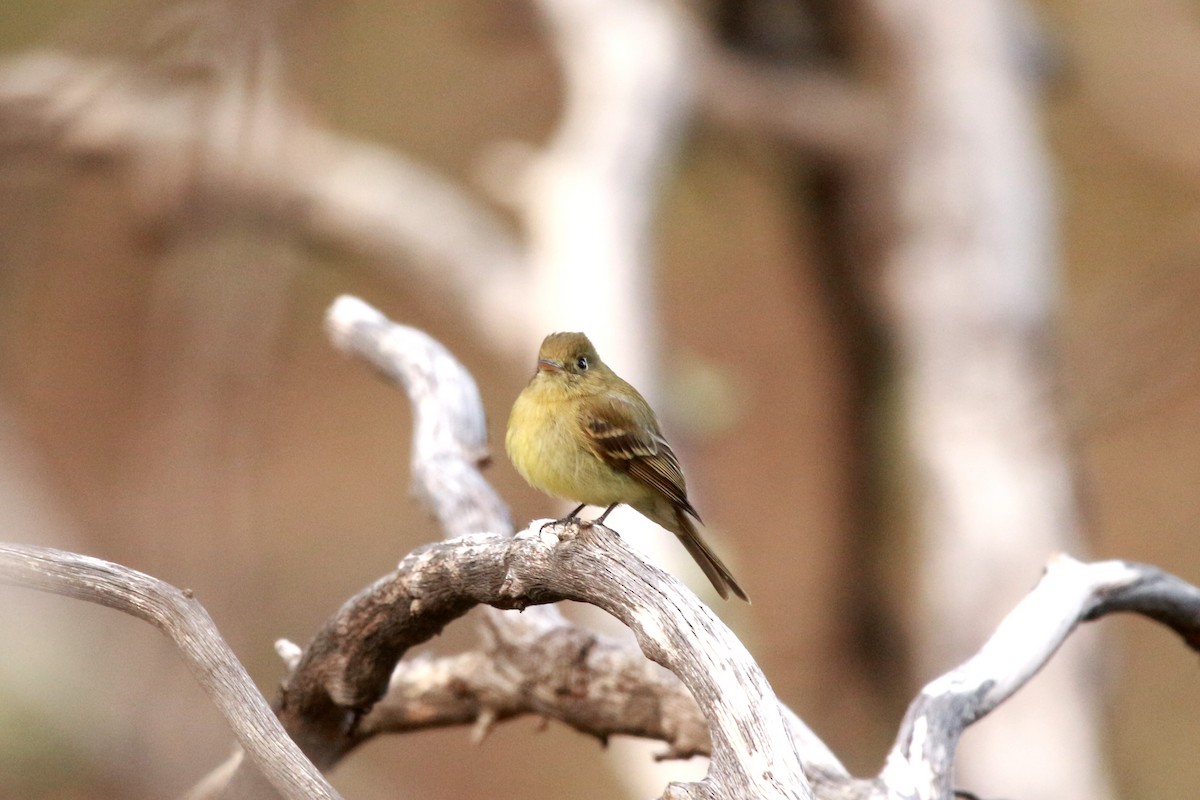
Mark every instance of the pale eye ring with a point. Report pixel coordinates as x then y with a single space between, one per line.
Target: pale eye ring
582 363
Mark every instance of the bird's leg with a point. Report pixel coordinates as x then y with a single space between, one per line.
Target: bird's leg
600 520
572 517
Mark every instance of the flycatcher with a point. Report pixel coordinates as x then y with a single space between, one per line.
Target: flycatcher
579 432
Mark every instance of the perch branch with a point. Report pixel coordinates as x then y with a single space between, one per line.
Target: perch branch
346 669
185 622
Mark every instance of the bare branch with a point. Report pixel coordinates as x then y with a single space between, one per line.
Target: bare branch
449 431
1070 592
585 680
345 687
346 668
191 630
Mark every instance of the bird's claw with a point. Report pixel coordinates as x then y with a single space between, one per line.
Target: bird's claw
563 521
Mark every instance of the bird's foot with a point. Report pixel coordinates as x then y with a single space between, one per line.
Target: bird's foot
568 519
561 522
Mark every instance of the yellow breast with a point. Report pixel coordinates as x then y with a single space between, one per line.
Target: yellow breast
546 446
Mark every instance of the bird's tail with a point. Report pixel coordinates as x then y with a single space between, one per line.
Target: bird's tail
714 569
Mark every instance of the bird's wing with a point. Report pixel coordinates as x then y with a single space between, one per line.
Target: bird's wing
616 438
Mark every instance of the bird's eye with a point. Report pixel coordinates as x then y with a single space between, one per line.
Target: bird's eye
582 363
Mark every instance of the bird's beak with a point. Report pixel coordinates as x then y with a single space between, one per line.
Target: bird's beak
548 365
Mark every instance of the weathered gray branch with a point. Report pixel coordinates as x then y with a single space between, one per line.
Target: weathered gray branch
921 763
185 622
440 582
563 672
347 667
346 686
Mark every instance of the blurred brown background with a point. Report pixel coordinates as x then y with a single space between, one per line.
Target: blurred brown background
168 399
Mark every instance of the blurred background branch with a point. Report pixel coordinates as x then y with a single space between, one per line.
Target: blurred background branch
969 280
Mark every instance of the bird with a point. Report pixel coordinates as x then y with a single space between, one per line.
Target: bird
581 433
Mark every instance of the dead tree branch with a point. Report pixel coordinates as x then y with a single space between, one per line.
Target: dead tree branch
346 686
440 582
564 672
185 622
922 760
348 665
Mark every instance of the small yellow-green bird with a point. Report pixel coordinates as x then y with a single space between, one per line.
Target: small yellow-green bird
579 432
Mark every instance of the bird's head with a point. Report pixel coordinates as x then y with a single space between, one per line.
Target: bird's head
570 359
